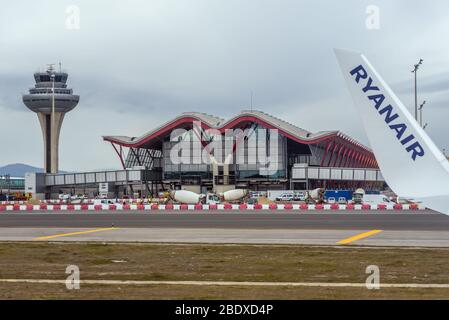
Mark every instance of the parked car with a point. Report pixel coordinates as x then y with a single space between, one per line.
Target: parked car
299 196
64 196
256 194
285 197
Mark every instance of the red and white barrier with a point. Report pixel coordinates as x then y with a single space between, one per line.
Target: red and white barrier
206 207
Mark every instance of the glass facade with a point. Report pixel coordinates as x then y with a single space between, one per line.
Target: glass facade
183 157
258 153
12 183
139 157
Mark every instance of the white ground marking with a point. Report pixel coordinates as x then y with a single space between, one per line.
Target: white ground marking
233 283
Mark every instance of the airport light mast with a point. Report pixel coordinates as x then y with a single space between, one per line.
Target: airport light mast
420 112
51 100
415 70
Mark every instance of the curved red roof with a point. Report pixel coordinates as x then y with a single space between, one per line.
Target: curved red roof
210 122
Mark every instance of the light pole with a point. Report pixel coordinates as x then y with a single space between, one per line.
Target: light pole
415 69
420 112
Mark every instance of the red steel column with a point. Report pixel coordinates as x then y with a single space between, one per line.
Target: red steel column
325 153
120 154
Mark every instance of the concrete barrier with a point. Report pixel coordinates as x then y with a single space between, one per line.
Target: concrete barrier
212 207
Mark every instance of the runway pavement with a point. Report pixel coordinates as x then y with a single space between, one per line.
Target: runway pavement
386 220
361 228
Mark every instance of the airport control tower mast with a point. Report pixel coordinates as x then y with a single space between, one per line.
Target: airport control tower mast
51 100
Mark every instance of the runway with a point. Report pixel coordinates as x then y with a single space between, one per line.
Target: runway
426 229
274 219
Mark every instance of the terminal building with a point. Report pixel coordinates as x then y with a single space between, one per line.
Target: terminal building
253 150
200 152
10 184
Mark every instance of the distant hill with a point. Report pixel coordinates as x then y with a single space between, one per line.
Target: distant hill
18 169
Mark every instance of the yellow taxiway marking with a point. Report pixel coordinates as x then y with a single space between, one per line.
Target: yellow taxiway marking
359 236
74 233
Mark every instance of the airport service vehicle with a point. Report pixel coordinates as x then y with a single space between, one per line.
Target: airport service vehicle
347 194
411 163
78 197
190 197
273 194
185 196
299 196
285 197
104 201
212 198
315 196
375 199
63 196
406 201
233 195
357 196
256 194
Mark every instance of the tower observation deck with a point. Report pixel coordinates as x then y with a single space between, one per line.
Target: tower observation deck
51 100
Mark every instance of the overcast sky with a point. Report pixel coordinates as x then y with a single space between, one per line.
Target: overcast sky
137 64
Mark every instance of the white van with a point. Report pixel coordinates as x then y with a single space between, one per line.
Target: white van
285 197
375 199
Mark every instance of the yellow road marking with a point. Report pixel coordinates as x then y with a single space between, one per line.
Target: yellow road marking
359 236
74 233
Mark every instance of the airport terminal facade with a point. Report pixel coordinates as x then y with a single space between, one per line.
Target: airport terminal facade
252 150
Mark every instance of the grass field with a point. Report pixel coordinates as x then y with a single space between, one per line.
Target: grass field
218 263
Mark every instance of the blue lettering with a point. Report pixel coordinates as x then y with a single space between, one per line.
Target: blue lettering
369 87
416 150
399 128
388 117
408 139
378 99
360 73
414 147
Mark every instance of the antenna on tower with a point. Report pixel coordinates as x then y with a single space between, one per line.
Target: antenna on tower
60 67
50 67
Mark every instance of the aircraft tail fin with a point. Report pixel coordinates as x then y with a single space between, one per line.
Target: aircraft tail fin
410 162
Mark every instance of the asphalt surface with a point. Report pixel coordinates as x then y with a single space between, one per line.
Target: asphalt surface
361 220
228 236
373 228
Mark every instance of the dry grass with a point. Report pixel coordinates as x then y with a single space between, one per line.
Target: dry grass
221 263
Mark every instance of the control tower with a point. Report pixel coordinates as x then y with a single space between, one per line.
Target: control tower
51 100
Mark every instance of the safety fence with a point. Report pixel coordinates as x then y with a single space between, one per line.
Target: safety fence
211 207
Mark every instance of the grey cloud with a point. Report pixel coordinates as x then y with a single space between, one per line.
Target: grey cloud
138 63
